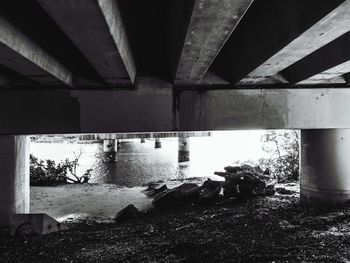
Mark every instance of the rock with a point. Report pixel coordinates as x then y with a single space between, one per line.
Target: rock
154 192
159 191
127 213
210 192
283 191
230 189
233 169
211 184
178 196
222 174
245 189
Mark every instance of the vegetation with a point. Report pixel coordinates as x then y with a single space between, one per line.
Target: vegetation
48 173
283 150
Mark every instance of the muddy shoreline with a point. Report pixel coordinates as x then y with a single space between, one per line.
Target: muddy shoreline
260 229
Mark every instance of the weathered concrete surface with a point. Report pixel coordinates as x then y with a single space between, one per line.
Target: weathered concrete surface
97 29
14 176
325 166
266 28
110 136
184 149
5 81
157 143
211 24
40 224
149 108
110 150
326 64
263 109
332 26
153 107
22 55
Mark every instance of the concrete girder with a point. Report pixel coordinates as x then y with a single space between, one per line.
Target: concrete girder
263 109
97 29
20 54
332 26
331 76
325 65
153 107
211 24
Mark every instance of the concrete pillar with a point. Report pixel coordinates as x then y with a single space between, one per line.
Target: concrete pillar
14 177
325 166
184 149
109 151
157 143
143 140
119 144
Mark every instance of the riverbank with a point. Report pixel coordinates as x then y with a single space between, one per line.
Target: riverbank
261 229
98 202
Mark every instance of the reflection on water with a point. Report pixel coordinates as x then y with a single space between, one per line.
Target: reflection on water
140 163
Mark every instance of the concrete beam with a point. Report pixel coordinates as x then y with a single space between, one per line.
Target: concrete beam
272 25
263 109
325 65
20 54
150 109
332 26
211 24
96 28
147 108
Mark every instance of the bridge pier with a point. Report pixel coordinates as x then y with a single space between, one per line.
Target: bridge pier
184 149
14 177
157 143
325 167
110 150
119 144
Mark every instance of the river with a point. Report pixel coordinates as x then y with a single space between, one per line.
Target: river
139 163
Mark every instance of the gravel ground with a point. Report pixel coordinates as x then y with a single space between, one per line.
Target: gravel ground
262 229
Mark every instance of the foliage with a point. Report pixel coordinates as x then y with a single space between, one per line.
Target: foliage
283 150
48 173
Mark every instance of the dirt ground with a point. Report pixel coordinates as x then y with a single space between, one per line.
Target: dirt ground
261 229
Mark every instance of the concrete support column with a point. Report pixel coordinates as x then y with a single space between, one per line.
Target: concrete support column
14 177
325 166
157 143
184 149
143 140
119 144
109 151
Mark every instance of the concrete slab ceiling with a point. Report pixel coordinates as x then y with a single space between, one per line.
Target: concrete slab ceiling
332 26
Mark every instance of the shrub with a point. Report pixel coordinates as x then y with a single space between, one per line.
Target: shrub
283 150
48 173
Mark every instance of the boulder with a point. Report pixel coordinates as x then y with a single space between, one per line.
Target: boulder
182 195
210 192
154 192
230 189
127 213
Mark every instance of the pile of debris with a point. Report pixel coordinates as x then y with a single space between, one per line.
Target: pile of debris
240 182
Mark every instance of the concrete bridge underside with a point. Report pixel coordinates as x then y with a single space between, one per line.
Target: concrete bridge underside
115 66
